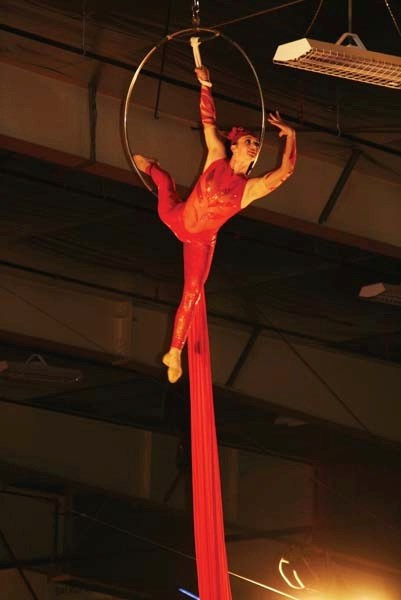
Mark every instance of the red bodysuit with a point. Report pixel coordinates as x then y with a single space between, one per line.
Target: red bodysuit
216 197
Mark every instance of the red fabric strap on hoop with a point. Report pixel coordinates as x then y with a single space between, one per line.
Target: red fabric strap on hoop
207 106
211 558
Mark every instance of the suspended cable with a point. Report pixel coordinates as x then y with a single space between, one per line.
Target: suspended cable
163 61
348 500
350 16
172 550
314 18
262 585
83 35
18 566
308 366
195 14
257 14
55 319
396 25
387 443
177 552
314 479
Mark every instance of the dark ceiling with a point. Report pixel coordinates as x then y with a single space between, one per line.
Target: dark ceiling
270 278
121 34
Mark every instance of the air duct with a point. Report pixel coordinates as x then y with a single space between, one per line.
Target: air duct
348 62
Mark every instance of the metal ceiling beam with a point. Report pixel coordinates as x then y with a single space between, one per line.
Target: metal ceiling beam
333 235
151 301
338 188
70 189
244 355
272 218
118 63
235 101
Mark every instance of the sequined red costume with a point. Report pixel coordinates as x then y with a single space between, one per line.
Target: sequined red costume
215 198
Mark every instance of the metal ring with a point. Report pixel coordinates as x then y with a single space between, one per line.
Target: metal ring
166 39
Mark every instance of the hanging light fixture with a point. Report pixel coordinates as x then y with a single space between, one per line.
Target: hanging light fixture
347 62
352 61
36 370
382 292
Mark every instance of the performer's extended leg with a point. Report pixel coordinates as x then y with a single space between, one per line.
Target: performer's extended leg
197 260
169 205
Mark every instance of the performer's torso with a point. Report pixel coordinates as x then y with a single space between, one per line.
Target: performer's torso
216 197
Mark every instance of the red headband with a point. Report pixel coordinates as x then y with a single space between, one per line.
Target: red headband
238 132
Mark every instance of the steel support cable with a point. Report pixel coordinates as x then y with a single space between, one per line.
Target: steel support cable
195 14
177 552
170 549
258 14
309 367
41 498
315 16
328 387
163 61
257 446
350 500
396 25
18 566
53 318
130 67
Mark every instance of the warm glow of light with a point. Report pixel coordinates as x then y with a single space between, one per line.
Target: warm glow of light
370 596
300 585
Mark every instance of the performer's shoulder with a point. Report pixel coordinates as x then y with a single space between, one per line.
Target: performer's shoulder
219 163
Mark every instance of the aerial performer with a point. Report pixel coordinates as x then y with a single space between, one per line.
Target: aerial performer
222 190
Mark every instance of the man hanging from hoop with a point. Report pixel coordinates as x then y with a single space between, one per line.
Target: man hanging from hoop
222 190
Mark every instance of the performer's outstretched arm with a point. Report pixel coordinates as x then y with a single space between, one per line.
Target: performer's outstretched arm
258 187
214 144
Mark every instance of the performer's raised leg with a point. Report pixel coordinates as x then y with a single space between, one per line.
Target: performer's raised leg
167 196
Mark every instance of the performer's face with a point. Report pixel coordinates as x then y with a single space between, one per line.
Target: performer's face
246 148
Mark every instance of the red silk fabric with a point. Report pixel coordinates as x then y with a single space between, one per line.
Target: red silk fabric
211 558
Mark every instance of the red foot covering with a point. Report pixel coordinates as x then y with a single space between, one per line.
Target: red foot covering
211 559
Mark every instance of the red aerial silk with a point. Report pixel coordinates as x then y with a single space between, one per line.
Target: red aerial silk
211 558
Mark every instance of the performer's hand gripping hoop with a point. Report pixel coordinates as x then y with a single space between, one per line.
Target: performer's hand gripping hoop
195 43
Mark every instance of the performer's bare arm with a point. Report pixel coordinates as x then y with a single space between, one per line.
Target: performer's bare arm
214 144
258 187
